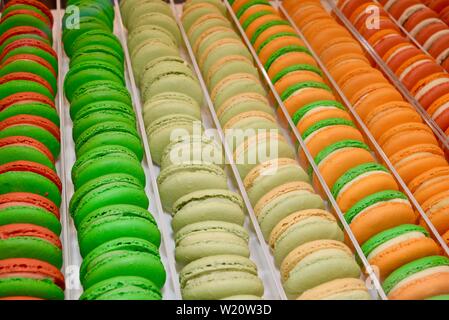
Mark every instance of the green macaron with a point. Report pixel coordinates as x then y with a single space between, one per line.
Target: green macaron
97 52
111 222
104 160
123 288
110 133
29 215
326 123
19 86
23 36
33 50
275 36
218 277
104 191
21 286
10 153
295 68
87 71
95 37
123 257
179 180
303 111
248 5
210 204
96 91
25 20
266 26
209 238
31 108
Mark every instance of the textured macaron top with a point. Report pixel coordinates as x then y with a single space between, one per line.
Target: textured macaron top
411 269
212 226
26 142
355 172
204 195
179 168
29 231
372 200
379 239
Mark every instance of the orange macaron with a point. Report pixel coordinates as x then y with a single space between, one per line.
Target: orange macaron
430 183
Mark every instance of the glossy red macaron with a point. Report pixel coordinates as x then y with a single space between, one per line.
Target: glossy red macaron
21 30
30 57
28 199
28 142
417 17
441 44
417 68
28 166
27 43
439 111
396 56
34 14
25 97
29 230
31 268
349 6
35 3
28 77
430 88
34 121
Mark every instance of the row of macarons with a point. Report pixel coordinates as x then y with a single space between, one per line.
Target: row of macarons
383 240
290 213
410 145
118 237
424 76
212 246
30 189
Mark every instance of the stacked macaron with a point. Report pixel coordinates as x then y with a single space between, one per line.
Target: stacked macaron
30 189
290 213
381 220
423 76
118 238
212 246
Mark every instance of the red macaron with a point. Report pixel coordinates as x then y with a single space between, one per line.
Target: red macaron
25 97
28 77
34 121
29 230
16 31
28 142
396 56
37 4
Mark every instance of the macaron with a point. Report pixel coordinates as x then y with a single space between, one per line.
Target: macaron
302 227
296 74
301 94
16 212
111 222
167 128
22 32
104 160
271 174
221 276
392 248
420 279
284 200
178 180
208 204
329 131
96 36
315 263
111 133
29 199
360 182
123 288
104 191
416 68
439 111
415 160
26 97
193 12
210 238
26 176
437 211
429 183
31 278
259 148
193 149
32 108
151 31
288 56
158 19
15 83
378 212
334 160
339 289
27 149
169 103
28 18
316 111
123 257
